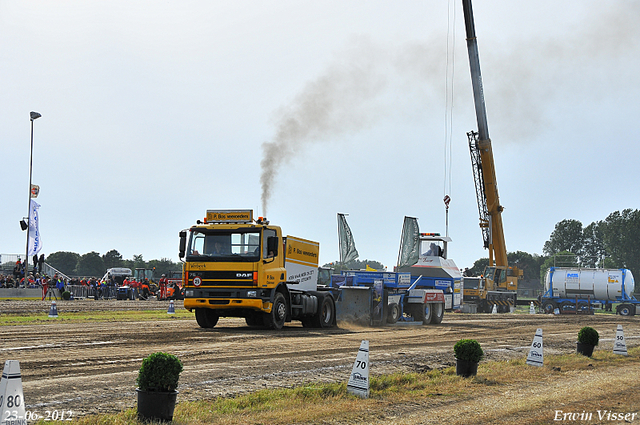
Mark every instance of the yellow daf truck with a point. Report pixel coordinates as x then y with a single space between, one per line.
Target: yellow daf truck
235 266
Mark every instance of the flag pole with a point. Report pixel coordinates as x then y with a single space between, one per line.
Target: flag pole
32 116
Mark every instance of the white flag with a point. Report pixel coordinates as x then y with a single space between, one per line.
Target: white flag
35 243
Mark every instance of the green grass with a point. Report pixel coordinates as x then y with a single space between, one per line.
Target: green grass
91 316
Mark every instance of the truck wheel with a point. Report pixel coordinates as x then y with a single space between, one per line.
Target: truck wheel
624 310
583 306
278 315
486 307
206 318
548 307
254 320
326 314
394 313
423 313
566 306
438 313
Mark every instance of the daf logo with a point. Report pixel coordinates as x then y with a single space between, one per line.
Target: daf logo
243 275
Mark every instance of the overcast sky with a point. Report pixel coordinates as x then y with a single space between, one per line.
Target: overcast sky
154 112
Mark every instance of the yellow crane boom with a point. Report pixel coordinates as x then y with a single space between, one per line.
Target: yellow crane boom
501 281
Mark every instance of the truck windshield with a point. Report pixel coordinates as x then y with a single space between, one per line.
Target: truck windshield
489 273
431 249
224 245
471 283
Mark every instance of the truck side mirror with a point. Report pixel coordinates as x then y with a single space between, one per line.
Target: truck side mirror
183 243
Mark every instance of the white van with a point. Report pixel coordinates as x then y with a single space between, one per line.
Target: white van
118 274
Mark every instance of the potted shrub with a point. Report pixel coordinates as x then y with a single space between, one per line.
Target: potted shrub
157 382
588 338
468 354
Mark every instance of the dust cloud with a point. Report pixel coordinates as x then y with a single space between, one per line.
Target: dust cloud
520 81
345 99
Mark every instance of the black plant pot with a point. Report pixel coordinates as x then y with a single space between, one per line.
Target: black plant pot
156 405
466 368
585 349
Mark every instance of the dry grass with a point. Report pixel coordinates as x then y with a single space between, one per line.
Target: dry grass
503 392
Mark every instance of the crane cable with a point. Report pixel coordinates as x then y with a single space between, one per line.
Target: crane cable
449 96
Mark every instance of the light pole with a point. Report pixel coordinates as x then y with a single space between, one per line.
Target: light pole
32 116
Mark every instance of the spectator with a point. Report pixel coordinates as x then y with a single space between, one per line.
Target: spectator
23 269
94 288
103 289
163 287
31 281
60 285
111 288
135 285
45 288
41 263
16 270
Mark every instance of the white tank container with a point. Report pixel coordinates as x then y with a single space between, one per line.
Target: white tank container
600 284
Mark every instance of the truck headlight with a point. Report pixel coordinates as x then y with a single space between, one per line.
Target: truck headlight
188 293
252 294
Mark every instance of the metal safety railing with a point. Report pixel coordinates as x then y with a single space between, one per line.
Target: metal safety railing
8 261
100 292
52 271
79 291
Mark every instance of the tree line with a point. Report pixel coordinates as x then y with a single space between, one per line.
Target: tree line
610 243
92 264
356 264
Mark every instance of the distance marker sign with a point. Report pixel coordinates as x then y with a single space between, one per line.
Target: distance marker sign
535 357
11 398
620 345
359 380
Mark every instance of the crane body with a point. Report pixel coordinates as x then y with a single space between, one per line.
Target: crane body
500 282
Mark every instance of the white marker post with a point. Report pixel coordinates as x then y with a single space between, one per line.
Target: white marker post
11 398
532 309
619 345
53 311
494 310
359 380
536 357
172 308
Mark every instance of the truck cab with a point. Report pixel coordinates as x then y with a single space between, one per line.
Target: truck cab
502 278
236 266
473 287
436 270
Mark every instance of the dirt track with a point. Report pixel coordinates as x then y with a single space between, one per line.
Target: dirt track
92 367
